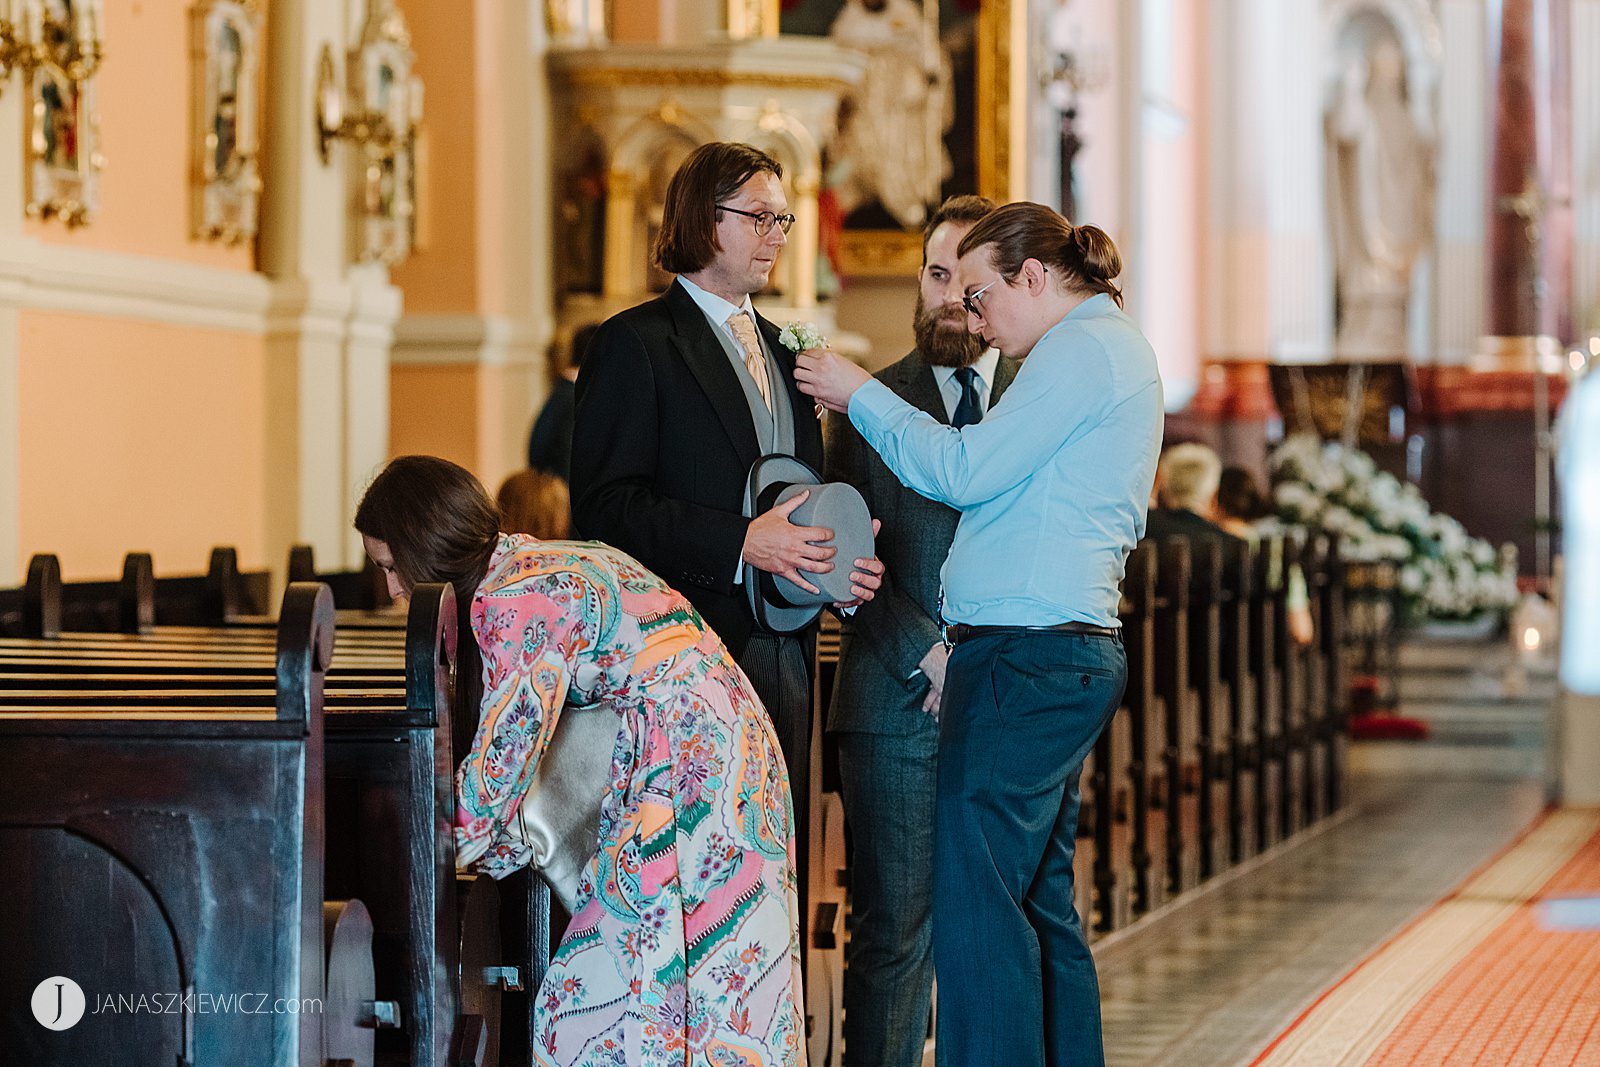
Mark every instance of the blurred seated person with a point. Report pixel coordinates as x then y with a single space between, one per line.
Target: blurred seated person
537 503
1244 510
550 441
1241 504
1187 479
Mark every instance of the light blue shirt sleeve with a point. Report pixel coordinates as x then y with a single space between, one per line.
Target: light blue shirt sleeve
1059 393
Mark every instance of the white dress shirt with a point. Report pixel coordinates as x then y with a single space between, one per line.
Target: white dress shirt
950 387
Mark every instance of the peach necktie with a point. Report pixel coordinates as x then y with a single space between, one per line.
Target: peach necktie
754 362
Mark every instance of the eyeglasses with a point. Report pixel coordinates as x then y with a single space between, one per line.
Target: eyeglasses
971 301
764 219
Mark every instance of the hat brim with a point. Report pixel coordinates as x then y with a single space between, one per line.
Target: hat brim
765 473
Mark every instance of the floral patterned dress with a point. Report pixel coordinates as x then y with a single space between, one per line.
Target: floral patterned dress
683 949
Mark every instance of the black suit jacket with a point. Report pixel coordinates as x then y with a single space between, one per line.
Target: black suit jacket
874 690
662 444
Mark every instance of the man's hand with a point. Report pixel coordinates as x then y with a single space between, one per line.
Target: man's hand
866 579
828 377
932 666
774 544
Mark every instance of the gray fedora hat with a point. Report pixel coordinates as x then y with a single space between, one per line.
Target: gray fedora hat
779 605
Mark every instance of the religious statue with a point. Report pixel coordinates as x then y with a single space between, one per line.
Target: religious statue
890 147
1380 199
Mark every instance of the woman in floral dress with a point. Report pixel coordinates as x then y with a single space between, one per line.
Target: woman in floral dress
683 946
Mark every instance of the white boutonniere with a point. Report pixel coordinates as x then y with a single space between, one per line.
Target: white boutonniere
798 337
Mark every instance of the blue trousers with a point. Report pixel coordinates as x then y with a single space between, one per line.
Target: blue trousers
1021 711
887 785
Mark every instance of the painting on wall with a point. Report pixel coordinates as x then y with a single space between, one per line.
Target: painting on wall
63 156
227 178
388 101
926 122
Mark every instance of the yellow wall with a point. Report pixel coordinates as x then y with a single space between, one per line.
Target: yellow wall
143 105
137 436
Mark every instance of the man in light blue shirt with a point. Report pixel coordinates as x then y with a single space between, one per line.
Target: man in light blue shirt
1052 487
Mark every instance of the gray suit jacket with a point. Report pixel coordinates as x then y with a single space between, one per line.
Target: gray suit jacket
874 690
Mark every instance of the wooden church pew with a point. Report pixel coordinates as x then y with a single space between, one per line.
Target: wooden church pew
357 590
1180 750
1266 586
1206 680
1330 622
1244 748
1147 734
1110 787
1290 712
389 772
178 849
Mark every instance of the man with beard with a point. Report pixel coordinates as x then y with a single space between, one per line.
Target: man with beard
891 669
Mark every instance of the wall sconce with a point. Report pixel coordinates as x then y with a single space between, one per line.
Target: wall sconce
374 128
378 111
69 41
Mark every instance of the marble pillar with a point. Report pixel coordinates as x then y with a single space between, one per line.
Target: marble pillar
1529 191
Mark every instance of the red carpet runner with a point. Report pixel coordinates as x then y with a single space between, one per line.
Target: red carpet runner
1477 979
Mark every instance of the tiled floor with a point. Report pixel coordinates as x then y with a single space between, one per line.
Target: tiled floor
1213 982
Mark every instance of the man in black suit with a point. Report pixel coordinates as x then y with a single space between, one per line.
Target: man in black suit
677 398
891 669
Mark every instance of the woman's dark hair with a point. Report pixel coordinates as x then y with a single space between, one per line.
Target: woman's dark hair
1084 256
1239 496
436 519
712 173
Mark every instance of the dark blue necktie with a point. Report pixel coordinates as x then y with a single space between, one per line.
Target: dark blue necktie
968 411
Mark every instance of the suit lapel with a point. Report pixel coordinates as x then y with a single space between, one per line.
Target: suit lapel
918 386
709 364
807 427
1005 372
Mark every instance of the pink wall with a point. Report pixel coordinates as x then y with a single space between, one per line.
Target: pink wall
137 436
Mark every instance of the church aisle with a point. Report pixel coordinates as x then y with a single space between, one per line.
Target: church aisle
1213 983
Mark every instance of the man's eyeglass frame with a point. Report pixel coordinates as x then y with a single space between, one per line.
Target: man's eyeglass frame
970 300
764 219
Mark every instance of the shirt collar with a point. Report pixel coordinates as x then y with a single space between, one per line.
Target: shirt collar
985 367
1095 306
1098 304
716 308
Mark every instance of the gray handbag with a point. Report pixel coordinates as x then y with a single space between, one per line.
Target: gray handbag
560 815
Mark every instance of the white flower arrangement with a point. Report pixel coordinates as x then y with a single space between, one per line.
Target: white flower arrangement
1443 571
797 337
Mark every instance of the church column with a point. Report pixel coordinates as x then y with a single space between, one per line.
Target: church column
1529 195
621 190
807 187
1459 220
327 324
1586 160
12 103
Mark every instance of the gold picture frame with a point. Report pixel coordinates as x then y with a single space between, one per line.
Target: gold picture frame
225 74
63 152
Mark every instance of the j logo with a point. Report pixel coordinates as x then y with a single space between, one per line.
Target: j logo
58 1003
